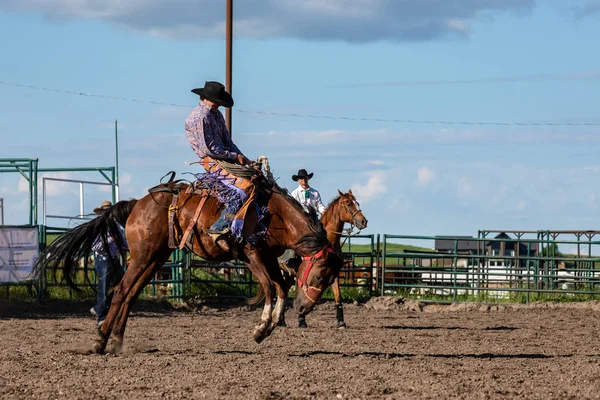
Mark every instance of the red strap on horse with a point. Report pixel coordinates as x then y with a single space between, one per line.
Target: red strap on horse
311 261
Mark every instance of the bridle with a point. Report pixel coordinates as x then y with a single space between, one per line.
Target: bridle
349 232
310 291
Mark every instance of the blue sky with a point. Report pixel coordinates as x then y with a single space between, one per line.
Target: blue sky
431 60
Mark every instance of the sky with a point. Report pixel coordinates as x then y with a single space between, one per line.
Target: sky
443 117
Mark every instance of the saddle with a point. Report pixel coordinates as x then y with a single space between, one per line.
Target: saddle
248 215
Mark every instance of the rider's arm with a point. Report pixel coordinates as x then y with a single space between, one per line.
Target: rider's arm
227 136
206 142
320 207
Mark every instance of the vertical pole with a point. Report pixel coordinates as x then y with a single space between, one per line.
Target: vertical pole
44 201
1 211
228 58
378 261
114 188
383 264
528 273
116 181
31 195
81 200
34 178
454 271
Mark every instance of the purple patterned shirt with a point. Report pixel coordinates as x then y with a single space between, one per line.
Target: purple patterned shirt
208 134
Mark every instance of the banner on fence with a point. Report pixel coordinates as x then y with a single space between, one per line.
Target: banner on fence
19 249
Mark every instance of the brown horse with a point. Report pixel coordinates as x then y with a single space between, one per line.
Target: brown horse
343 209
146 224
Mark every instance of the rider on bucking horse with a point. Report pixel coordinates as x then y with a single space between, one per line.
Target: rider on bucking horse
211 140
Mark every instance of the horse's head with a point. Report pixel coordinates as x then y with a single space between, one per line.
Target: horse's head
350 211
315 274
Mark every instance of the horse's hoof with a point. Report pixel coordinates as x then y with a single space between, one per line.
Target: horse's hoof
341 325
270 329
258 336
302 325
282 323
98 348
116 347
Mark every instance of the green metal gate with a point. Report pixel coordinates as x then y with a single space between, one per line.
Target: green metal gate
491 269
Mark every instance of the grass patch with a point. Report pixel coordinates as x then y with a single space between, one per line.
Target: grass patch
205 284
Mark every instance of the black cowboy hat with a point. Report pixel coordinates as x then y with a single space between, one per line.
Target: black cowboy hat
215 92
302 174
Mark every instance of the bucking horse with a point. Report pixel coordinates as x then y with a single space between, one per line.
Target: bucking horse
182 212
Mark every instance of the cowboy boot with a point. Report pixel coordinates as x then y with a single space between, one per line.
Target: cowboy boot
220 239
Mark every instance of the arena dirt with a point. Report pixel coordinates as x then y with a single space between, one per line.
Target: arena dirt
392 349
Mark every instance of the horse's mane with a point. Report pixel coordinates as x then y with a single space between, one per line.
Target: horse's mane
327 215
286 193
331 202
314 241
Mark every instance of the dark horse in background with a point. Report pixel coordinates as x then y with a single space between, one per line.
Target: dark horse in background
146 224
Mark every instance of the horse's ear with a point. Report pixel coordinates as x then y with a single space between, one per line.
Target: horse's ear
340 193
349 191
325 252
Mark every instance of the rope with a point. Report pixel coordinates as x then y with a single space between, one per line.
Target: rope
240 171
264 163
244 171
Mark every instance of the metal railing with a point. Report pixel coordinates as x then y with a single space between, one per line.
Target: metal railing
486 275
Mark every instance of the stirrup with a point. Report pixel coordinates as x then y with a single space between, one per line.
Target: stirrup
213 232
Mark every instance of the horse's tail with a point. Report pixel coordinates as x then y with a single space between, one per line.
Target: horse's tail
260 296
76 244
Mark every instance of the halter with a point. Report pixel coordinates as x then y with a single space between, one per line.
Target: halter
349 232
303 282
348 208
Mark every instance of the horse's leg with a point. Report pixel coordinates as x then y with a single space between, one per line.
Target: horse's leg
288 281
120 291
147 235
301 317
339 307
259 270
132 275
129 299
302 321
278 316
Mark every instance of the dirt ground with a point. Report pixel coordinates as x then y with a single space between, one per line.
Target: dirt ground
392 349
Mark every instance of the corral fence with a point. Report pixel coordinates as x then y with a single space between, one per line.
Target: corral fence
496 266
188 276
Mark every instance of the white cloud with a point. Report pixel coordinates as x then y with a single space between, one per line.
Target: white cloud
590 7
347 20
375 187
53 188
592 201
464 187
341 138
375 162
124 180
425 176
521 204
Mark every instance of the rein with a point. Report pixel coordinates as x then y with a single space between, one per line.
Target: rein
303 282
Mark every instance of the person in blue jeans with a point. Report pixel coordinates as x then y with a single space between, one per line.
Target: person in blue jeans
106 254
